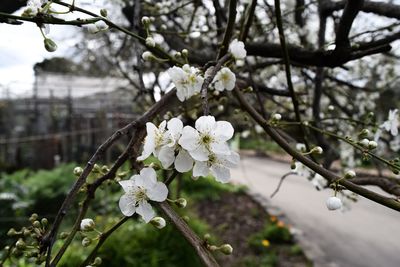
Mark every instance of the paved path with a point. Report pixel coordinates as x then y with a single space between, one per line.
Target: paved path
366 236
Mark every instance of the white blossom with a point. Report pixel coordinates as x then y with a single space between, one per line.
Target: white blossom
33 7
208 137
236 48
224 79
187 81
217 165
139 189
392 124
333 203
162 141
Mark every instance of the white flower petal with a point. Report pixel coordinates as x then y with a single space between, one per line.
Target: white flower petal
167 156
220 148
127 205
232 160
205 124
200 169
219 86
148 148
158 192
127 185
223 130
221 173
189 138
200 153
175 127
146 211
147 178
183 162
180 94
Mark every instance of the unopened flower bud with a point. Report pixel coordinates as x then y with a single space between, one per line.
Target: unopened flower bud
372 144
26 232
293 164
86 242
364 133
87 225
150 42
78 171
105 168
350 174
185 52
226 249
12 232
207 237
277 117
158 222
213 248
331 108
103 12
36 224
147 56
97 261
50 45
96 168
44 221
63 235
181 202
101 25
145 21
20 244
91 28
364 142
33 217
317 150
333 203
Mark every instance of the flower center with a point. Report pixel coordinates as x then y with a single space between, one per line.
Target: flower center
139 195
225 77
206 140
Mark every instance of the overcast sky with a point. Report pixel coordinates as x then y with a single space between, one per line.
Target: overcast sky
22 46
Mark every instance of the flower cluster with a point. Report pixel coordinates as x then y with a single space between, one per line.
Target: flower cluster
203 148
139 189
188 80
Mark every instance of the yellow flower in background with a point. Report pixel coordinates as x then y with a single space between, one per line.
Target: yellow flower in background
280 224
273 218
265 243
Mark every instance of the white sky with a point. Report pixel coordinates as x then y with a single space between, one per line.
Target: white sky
22 46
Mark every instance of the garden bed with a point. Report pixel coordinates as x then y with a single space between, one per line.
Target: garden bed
257 238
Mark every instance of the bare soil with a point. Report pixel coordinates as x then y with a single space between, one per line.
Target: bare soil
234 217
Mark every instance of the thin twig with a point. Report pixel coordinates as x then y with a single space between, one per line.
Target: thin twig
280 183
